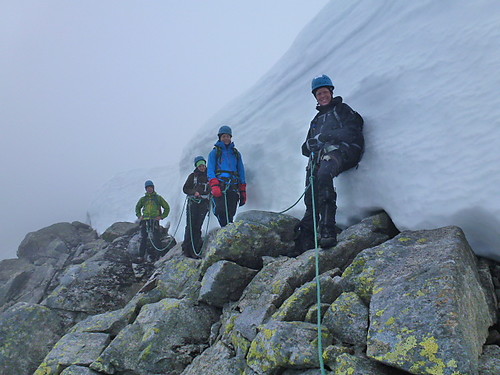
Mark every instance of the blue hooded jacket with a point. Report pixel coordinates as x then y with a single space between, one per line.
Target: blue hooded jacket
227 164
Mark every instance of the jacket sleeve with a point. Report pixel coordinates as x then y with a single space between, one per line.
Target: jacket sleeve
212 164
166 207
241 170
305 150
188 187
138 207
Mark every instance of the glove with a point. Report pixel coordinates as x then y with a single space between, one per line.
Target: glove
314 145
215 186
243 194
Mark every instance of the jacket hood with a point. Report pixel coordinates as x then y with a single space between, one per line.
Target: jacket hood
223 145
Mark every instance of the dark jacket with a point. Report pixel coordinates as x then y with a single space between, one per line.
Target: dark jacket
196 182
337 124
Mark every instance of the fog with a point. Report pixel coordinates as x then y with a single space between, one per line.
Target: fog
90 89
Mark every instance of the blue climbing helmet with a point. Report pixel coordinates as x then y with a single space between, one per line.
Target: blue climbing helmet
224 129
148 183
321 81
198 159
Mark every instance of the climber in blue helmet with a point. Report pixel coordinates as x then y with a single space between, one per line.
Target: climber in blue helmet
334 144
197 189
226 176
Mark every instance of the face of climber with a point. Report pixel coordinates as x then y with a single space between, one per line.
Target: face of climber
225 138
202 168
150 189
323 95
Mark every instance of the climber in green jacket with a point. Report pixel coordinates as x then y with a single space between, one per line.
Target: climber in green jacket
150 209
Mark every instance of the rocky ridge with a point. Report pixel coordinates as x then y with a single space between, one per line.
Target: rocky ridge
416 302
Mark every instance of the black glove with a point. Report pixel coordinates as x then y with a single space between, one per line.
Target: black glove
314 145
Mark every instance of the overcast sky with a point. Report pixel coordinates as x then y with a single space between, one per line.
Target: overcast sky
91 88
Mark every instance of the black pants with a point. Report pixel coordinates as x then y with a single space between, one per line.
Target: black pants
226 204
154 226
195 215
325 200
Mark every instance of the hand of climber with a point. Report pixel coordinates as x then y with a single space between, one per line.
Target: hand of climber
243 194
215 186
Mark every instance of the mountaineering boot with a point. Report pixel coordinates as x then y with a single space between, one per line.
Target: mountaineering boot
327 238
327 233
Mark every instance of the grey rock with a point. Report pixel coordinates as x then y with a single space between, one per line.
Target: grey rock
78 370
489 362
296 306
102 283
224 281
48 244
119 229
282 224
245 243
177 276
77 348
165 337
347 319
280 345
428 308
28 332
360 365
217 360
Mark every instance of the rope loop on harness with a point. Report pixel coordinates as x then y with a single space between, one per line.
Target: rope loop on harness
150 231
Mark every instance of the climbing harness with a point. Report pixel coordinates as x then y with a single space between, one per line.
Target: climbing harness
150 231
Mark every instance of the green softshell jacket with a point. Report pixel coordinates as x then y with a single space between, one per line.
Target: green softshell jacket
149 206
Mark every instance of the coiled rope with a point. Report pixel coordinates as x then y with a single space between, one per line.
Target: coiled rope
150 231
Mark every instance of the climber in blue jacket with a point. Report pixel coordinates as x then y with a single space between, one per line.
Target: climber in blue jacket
226 176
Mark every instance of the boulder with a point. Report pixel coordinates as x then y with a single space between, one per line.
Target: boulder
78 370
119 229
51 243
245 242
164 338
217 360
347 319
76 348
28 332
104 282
281 345
347 364
429 311
224 281
177 276
489 362
296 306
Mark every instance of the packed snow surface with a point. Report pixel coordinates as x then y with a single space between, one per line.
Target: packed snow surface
425 76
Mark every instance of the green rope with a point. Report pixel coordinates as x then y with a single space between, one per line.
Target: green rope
298 200
318 284
197 200
150 232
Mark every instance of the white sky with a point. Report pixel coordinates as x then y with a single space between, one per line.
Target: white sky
92 88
